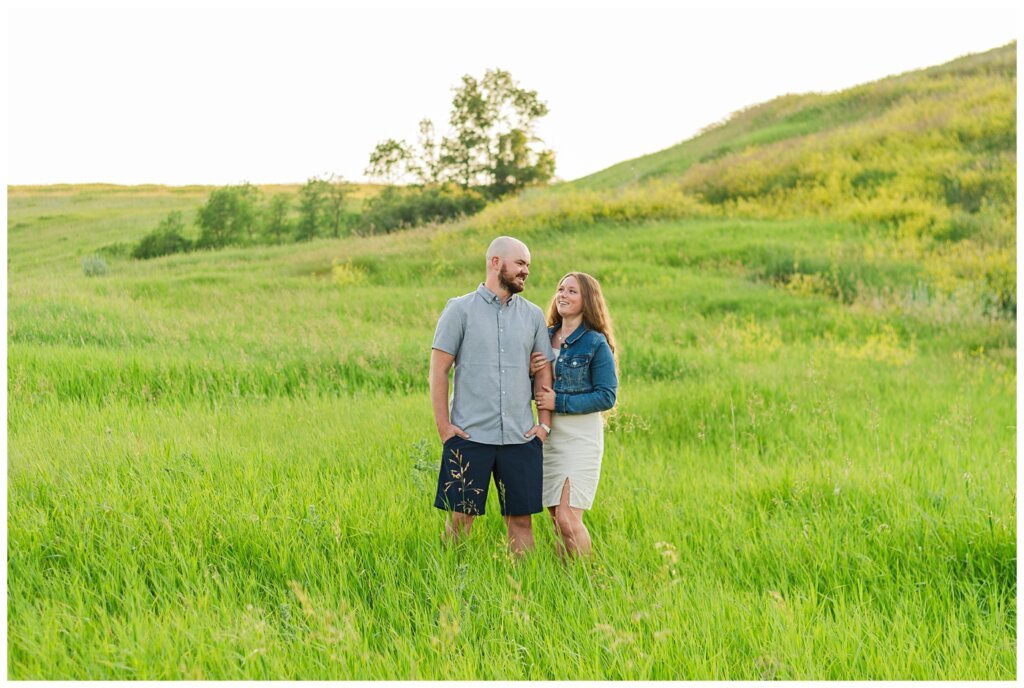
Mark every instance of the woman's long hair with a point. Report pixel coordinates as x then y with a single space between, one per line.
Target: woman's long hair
595 311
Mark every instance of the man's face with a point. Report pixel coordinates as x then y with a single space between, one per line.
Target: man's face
514 270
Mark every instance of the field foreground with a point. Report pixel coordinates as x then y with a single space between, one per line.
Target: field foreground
221 465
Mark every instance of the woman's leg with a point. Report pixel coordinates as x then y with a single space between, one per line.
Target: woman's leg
559 547
569 526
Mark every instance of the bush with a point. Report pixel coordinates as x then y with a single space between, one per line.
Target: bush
164 240
94 266
397 208
117 249
228 217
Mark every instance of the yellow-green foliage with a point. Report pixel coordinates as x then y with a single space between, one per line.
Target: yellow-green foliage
658 200
346 274
926 159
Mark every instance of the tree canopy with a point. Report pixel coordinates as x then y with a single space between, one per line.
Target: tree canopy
492 146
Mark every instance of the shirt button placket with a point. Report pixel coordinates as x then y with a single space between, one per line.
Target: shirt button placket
501 378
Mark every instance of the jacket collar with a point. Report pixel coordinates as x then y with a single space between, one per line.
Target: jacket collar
576 334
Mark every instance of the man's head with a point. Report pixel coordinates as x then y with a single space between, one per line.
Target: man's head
508 264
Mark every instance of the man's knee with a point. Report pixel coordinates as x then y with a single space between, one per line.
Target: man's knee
462 522
524 522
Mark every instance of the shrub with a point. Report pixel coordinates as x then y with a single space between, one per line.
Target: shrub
347 274
94 266
117 249
397 207
164 240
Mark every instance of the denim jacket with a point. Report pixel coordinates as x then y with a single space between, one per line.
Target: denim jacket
585 379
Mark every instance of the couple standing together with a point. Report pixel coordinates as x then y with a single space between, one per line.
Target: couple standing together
502 350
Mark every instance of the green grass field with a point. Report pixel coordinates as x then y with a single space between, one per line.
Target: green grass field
222 465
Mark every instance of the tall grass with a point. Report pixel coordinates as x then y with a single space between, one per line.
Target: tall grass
221 465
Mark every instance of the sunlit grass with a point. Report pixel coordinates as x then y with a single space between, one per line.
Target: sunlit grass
222 464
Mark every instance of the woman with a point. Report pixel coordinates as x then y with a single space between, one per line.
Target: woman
585 383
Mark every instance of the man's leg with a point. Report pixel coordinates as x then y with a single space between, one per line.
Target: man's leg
519 475
520 534
462 485
457 526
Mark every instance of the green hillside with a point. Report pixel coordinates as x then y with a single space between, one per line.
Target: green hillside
221 464
924 164
962 114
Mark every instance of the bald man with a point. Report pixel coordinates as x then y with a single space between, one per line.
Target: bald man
489 429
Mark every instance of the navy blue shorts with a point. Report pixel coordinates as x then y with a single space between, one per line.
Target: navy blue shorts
466 468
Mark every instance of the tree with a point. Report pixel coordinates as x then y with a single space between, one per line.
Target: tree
464 154
336 189
390 161
312 202
493 143
427 158
228 215
516 165
275 222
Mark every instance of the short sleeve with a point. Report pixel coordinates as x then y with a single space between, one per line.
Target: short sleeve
542 342
451 327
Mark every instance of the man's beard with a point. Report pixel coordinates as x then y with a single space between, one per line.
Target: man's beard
507 280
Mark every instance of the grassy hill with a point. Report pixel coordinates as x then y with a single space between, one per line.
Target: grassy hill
221 463
924 162
966 107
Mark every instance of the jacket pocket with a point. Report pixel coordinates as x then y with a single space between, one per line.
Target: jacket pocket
575 373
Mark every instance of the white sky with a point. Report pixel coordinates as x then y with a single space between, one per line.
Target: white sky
218 96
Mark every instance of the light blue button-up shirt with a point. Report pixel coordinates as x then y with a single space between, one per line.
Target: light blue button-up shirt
492 343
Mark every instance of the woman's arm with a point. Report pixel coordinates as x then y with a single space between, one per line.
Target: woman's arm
604 381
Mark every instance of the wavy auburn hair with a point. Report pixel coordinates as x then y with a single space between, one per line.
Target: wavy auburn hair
595 311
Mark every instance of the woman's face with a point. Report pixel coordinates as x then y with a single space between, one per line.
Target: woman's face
568 299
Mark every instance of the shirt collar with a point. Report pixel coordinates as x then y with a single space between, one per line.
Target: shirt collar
490 297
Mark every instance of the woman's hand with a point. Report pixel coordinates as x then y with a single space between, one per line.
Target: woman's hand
546 399
537 362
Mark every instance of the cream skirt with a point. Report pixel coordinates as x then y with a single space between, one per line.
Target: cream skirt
573 451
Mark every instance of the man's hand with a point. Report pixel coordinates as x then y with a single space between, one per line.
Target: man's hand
537 431
546 399
446 432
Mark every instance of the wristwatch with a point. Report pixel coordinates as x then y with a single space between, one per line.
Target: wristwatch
547 428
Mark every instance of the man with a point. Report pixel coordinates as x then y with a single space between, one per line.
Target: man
489 335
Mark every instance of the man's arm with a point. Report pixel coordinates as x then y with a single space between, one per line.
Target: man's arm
542 379
440 363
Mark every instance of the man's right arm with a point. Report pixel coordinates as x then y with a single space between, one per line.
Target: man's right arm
440 363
